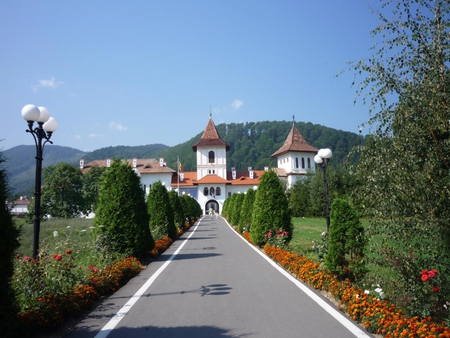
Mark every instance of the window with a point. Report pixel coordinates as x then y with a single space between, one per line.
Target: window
296 162
211 157
309 163
303 163
211 191
218 191
205 191
229 194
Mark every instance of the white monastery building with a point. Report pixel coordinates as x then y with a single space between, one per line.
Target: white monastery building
212 183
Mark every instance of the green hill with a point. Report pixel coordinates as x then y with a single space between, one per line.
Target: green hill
251 145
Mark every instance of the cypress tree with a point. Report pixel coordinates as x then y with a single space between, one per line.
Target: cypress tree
245 219
160 212
271 209
178 214
8 244
121 215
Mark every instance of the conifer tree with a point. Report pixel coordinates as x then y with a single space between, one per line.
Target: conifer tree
160 212
8 244
245 219
346 241
178 214
271 209
121 217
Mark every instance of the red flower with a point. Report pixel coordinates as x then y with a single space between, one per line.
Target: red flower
17 256
68 252
91 267
26 259
432 273
95 270
436 288
424 277
57 257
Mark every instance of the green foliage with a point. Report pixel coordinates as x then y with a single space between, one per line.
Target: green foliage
237 206
299 197
21 165
62 194
91 185
346 242
8 244
245 219
121 217
178 214
271 209
160 212
403 169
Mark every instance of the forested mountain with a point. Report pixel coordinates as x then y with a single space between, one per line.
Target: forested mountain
251 145
21 164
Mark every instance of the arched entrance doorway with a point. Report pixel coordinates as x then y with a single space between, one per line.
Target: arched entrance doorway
213 205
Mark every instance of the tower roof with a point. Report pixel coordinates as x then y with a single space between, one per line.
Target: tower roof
294 143
210 137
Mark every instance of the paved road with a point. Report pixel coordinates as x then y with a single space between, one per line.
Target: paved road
212 283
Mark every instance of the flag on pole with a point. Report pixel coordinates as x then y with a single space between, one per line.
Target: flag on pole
180 166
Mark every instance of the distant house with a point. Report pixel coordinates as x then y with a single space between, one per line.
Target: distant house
19 207
212 183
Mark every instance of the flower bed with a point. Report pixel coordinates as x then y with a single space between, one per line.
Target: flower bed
52 311
378 316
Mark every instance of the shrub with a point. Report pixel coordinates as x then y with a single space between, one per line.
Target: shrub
245 219
8 244
271 209
121 216
160 212
346 243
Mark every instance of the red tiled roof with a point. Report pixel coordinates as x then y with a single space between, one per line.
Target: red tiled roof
294 143
188 179
210 137
212 179
243 177
149 165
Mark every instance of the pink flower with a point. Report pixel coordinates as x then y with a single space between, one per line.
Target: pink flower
26 259
95 270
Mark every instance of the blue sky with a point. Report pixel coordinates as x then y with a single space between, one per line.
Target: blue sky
143 72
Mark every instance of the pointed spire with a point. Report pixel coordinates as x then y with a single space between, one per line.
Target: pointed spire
211 137
294 143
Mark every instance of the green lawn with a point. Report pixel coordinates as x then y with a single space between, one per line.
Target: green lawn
74 234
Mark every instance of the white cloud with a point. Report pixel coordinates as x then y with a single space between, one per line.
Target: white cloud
94 135
50 83
117 126
236 104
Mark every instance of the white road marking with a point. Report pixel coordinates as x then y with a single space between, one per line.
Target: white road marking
349 325
106 330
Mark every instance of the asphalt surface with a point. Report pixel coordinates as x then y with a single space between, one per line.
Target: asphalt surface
212 283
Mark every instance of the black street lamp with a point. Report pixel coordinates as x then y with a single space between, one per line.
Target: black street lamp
322 158
46 125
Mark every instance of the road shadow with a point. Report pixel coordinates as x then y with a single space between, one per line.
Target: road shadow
203 331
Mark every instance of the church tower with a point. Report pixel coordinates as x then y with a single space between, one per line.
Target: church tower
295 158
211 153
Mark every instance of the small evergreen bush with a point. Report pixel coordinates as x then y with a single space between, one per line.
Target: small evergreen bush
271 210
346 243
160 212
121 217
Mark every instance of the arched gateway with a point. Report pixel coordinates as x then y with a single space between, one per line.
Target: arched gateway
213 205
